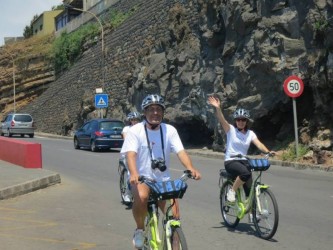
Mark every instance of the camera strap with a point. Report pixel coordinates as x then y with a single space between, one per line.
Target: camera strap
150 150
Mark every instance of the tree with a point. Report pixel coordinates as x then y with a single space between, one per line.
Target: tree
28 32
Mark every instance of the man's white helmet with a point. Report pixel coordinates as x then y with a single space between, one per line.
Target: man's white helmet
152 99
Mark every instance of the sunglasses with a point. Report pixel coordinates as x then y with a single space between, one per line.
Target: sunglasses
155 109
241 119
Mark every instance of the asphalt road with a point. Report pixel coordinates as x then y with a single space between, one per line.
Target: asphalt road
84 211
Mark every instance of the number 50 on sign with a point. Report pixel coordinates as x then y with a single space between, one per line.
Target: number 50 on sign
293 86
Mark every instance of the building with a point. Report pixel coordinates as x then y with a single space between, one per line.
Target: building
45 24
9 40
72 18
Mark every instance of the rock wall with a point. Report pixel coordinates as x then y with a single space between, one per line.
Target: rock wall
26 68
240 50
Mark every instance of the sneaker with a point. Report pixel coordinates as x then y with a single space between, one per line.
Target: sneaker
138 238
231 195
127 198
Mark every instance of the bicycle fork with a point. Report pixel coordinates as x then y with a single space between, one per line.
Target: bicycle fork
168 230
257 194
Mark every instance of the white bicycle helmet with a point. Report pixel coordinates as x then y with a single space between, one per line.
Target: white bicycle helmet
152 99
133 115
241 113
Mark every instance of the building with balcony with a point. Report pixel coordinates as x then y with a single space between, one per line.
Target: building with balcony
70 19
44 24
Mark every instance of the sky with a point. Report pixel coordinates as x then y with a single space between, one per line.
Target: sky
16 14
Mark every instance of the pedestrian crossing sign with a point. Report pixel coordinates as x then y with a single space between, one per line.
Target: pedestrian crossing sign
101 101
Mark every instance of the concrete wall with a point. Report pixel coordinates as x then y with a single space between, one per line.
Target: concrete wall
22 153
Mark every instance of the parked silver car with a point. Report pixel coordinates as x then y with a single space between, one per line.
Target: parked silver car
17 124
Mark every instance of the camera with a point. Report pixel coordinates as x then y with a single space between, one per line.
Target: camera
158 163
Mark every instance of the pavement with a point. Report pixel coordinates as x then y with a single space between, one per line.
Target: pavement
16 180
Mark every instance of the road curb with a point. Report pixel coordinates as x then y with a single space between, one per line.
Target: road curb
29 186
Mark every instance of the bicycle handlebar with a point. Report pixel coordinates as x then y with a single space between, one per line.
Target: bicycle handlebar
267 155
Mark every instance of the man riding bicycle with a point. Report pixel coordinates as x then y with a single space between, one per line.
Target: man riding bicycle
148 146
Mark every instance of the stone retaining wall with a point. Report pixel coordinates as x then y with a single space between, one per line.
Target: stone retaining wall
68 101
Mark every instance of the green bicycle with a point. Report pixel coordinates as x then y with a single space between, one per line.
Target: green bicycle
260 204
173 236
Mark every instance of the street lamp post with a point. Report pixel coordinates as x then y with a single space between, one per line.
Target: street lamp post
14 83
102 38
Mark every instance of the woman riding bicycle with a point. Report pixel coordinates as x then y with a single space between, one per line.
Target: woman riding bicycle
133 118
239 138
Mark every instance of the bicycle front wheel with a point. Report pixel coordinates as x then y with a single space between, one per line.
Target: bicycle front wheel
177 239
229 211
266 219
123 185
148 238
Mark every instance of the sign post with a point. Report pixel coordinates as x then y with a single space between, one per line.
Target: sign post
293 87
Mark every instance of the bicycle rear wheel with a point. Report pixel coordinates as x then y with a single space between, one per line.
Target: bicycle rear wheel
266 221
177 239
229 211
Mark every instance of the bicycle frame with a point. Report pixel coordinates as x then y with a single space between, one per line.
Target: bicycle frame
172 232
261 203
152 226
245 205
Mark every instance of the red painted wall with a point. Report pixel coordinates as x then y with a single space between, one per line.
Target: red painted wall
22 153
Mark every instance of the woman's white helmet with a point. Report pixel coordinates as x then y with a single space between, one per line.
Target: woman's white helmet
152 99
133 115
241 113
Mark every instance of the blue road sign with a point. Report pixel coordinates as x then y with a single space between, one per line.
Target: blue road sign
101 100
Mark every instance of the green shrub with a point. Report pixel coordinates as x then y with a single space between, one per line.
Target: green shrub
290 153
69 46
116 18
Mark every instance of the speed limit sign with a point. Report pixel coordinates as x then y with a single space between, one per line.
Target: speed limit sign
293 86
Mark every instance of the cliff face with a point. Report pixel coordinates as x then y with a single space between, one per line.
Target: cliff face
26 64
241 51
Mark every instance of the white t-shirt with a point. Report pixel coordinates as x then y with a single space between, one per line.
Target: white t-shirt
125 129
238 143
136 141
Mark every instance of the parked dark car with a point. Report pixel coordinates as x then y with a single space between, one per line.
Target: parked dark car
99 134
17 124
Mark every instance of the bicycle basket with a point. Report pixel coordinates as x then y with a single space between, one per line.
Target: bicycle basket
165 190
259 164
